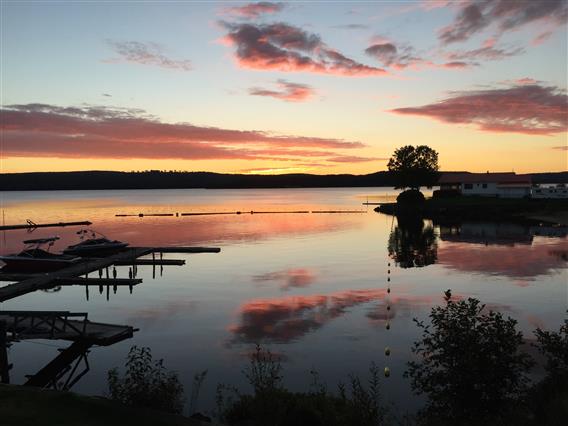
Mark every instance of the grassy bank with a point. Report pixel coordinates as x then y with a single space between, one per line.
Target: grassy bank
485 208
23 406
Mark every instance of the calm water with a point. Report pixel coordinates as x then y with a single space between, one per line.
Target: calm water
311 287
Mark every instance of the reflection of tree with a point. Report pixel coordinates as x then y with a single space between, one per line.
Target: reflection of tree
411 244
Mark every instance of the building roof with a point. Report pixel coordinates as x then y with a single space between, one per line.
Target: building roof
500 178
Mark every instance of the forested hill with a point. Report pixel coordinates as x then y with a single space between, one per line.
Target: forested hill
162 180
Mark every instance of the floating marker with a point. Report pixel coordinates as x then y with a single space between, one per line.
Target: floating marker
387 372
388 290
388 308
387 351
388 326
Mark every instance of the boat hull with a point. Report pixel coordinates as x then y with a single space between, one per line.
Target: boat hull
95 250
25 264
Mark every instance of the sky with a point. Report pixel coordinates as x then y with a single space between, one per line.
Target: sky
282 87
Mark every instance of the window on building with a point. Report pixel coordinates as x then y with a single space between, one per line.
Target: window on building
468 186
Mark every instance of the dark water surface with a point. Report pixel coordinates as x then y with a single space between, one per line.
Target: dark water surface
311 287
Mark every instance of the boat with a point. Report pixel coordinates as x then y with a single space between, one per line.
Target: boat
33 258
94 244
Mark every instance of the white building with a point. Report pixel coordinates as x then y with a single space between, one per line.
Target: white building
559 191
504 185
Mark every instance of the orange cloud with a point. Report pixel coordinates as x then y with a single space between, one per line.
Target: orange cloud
291 92
38 130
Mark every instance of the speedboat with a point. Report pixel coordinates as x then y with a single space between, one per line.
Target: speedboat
33 258
94 245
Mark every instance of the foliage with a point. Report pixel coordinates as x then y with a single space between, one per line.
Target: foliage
470 366
198 380
414 166
548 399
273 405
146 383
411 197
554 346
412 244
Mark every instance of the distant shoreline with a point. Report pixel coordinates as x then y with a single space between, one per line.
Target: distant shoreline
105 180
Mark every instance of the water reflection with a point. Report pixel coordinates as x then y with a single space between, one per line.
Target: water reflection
286 319
413 242
504 249
289 278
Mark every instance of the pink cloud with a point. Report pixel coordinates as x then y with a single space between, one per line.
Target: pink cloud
40 130
254 10
286 48
288 91
528 109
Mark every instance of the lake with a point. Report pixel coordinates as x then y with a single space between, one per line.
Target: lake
311 287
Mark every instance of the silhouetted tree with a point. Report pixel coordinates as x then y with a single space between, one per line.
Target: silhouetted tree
412 244
470 366
414 167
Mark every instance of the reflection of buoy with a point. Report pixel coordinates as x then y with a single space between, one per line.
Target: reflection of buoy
387 372
387 351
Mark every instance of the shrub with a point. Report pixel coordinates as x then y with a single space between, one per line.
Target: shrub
273 405
146 383
411 197
470 366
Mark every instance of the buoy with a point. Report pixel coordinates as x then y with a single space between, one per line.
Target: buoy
388 308
387 351
388 326
387 372
388 290
388 279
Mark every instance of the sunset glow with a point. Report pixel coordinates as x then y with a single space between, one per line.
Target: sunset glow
271 88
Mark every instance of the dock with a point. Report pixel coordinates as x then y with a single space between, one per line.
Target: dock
33 225
72 274
57 325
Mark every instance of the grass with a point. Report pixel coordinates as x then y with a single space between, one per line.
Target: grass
26 406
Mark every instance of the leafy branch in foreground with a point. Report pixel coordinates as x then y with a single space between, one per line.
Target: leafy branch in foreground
273 405
470 365
146 383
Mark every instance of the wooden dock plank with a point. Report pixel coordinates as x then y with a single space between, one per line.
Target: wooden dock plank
127 256
157 262
56 329
44 225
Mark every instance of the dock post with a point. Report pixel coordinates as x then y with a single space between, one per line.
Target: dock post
106 269
4 367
